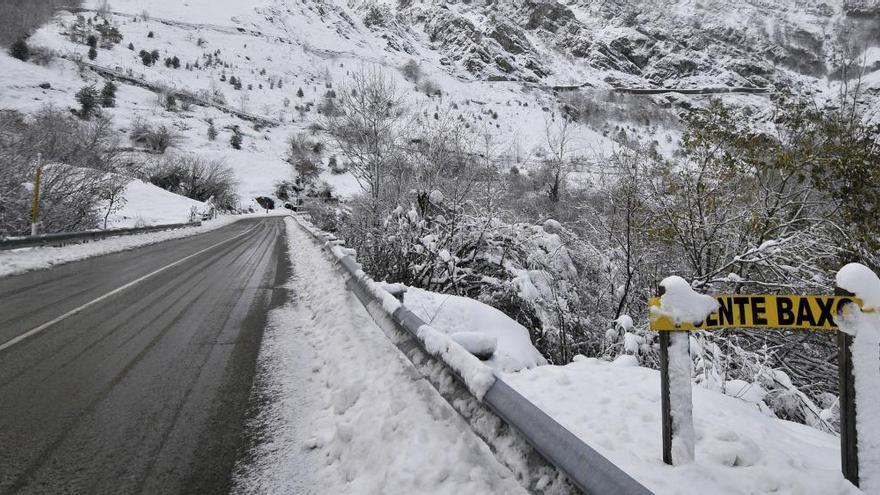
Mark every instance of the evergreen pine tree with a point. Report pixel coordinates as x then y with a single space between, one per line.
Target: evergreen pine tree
108 95
88 100
20 50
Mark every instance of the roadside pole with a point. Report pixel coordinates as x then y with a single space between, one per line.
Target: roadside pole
36 209
671 427
849 433
665 405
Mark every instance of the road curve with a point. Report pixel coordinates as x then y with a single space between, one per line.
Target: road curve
130 373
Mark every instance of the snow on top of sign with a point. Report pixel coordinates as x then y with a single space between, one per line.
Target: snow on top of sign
861 281
682 304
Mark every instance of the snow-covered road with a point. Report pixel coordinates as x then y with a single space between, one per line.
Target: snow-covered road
343 411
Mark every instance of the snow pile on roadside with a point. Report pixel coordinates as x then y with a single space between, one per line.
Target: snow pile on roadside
865 328
454 315
29 259
146 204
616 410
346 413
476 343
478 377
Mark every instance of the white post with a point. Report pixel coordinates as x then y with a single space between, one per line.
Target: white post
864 329
680 398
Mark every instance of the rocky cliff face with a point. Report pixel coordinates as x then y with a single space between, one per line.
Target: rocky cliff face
634 43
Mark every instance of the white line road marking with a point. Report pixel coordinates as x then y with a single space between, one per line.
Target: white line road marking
11 342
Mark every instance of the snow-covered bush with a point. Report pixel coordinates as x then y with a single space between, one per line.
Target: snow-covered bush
79 158
411 71
197 178
521 269
740 209
304 154
484 331
157 139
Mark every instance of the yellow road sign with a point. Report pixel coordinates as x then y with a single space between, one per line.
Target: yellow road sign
763 311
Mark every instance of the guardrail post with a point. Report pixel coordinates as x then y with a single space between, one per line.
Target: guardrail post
849 433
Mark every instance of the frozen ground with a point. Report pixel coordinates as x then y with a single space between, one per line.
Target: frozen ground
345 411
615 408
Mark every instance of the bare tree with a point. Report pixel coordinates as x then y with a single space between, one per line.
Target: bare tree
369 127
560 142
114 195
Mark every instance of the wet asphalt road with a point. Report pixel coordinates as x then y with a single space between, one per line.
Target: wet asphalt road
144 390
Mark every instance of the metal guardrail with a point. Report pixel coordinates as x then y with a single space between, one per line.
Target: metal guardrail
91 235
582 467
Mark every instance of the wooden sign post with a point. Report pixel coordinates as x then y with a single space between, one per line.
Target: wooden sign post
849 434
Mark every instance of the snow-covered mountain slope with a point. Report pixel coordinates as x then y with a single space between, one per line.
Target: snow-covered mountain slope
506 69
666 43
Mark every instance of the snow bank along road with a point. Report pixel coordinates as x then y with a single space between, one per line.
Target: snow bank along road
345 412
131 372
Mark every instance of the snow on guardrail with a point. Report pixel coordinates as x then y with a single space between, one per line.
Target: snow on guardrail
90 235
544 455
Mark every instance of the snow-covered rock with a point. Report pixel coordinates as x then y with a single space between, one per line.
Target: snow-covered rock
455 315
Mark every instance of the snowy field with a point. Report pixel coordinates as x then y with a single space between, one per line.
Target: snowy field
146 204
615 408
276 48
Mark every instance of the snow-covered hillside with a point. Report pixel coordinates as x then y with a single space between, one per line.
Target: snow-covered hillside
570 252
506 69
